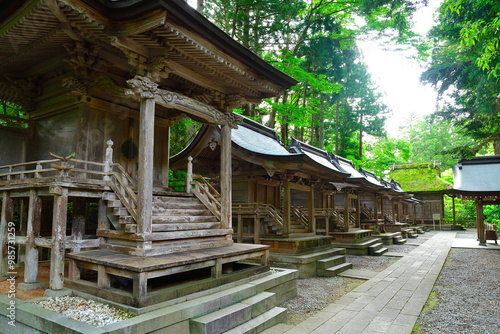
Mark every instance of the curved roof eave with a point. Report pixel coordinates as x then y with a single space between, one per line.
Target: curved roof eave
189 17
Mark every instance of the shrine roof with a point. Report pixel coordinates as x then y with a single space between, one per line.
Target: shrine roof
255 137
479 175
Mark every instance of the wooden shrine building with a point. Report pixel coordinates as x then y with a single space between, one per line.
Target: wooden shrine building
275 191
102 82
477 179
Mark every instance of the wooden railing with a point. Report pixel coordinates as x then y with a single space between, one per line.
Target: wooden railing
207 194
274 216
59 166
124 188
300 214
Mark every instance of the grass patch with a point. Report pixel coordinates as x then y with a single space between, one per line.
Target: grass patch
431 303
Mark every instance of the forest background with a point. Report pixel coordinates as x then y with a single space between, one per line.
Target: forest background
336 105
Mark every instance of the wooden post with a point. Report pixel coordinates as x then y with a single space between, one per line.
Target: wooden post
189 174
7 214
287 203
33 231
311 218
108 161
358 212
145 177
78 222
347 202
58 238
480 222
225 176
23 211
239 234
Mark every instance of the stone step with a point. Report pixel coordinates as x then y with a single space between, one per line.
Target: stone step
335 270
380 252
330 262
377 249
399 240
264 321
234 315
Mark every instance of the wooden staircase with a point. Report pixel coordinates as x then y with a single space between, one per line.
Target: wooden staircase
180 222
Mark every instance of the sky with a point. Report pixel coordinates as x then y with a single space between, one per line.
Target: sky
397 76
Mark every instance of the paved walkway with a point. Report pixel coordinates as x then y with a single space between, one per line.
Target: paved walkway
390 302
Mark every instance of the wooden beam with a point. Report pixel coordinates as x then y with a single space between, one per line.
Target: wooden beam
287 203
58 239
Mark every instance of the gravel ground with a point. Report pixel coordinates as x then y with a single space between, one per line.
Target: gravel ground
85 310
465 299
466 296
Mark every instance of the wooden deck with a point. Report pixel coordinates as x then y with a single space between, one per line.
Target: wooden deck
119 272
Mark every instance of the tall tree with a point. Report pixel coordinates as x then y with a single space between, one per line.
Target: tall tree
464 68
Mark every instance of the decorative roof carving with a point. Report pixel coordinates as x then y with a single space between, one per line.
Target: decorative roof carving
142 88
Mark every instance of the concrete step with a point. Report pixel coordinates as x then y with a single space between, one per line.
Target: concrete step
335 270
264 321
234 315
330 262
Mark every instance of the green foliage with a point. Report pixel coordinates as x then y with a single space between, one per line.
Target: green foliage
14 116
181 135
465 70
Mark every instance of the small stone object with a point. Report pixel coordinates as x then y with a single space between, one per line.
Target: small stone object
85 310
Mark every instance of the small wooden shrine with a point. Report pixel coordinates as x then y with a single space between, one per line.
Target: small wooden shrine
478 180
86 176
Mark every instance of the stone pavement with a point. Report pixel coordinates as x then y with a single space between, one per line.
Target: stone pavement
390 302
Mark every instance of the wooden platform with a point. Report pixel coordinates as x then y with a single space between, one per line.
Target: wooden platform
297 245
143 281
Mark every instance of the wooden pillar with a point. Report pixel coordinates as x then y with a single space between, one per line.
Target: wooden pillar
311 218
287 203
358 212
23 218
58 238
480 222
347 207
7 214
145 177
33 231
78 222
225 176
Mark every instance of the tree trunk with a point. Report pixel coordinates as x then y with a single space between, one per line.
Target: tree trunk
496 147
361 136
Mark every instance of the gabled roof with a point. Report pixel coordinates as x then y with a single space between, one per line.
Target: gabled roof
371 177
319 156
260 145
478 175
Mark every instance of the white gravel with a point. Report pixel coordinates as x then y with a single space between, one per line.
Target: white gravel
85 310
